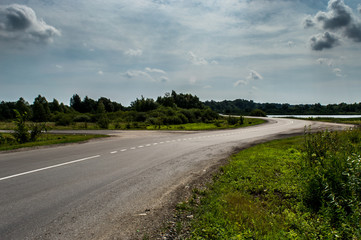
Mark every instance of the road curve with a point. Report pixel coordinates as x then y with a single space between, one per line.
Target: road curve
84 191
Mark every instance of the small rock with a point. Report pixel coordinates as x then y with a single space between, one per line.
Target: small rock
190 216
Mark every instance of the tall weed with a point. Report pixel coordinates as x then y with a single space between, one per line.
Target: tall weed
332 179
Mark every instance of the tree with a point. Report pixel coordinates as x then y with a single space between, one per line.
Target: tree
54 106
103 120
108 105
41 110
89 105
144 105
22 106
75 103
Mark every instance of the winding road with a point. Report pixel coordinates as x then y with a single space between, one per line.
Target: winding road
85 191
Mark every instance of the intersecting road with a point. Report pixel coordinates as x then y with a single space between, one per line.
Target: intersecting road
80 191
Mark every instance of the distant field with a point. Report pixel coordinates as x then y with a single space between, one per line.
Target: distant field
220 124
356 121
208 126
7 142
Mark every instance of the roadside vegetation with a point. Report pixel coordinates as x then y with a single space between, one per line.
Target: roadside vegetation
172 111
35 134
8 142
298 188
355 121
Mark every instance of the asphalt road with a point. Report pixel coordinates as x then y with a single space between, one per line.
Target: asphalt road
83 191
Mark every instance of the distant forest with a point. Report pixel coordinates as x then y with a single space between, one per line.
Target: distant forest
172 108
244 107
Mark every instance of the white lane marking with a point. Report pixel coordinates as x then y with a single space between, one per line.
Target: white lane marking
46 168
140 146
161 142
113 152
123 150
155 143
148 145
132 148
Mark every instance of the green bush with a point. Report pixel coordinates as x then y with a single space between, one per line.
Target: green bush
36 130
63 120
21 131
332 179
103 121
82 118
258 113
232 120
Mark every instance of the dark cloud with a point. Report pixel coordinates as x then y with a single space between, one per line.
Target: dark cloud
324 41
308 22
338 16
354 32
338 19
20 23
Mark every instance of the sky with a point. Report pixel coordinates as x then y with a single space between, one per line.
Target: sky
282 51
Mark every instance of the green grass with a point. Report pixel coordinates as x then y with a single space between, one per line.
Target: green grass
220 124
208 126
356 121
266 191
45 139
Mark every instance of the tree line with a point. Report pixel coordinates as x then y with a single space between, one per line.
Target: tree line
172 108
245 107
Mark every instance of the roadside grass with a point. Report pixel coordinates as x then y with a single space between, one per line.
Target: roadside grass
7 142
356 121
298 188
221 124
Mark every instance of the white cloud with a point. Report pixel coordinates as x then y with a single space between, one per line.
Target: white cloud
192 80
59 66
240 82
338 72
100 72
155 70
253 75
136 73
327 61
152 74
20 23
194 59
134 52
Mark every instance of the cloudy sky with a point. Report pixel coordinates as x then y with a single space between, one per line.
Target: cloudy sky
294 51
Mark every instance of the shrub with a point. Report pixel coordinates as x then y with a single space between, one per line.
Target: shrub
258 113
82 118
103 121
36 130
21 131
63 120
232 120
332 179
